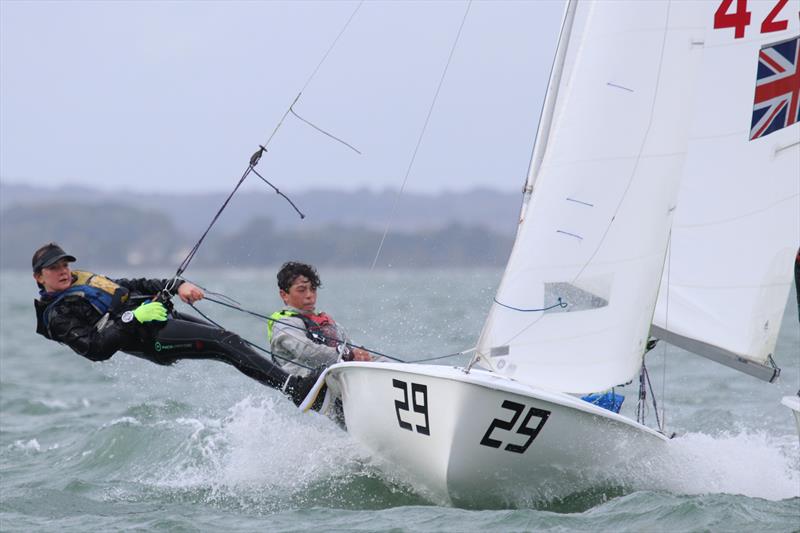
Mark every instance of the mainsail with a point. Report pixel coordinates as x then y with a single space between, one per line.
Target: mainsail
575 303
737 225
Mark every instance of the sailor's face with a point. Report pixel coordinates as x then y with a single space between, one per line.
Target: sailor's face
301 295
55 278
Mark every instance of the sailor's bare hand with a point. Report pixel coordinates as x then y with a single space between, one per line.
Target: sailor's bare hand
190 293
360 355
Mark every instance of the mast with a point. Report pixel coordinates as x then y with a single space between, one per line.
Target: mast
548 106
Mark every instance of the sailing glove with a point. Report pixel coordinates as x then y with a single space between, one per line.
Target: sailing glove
150 311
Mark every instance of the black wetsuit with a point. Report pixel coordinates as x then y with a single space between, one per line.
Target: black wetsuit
74 321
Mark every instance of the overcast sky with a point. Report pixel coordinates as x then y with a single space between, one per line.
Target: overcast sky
175 96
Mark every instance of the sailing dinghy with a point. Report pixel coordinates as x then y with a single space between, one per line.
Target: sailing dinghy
573 312
793 403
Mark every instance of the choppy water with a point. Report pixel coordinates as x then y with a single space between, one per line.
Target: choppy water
129 445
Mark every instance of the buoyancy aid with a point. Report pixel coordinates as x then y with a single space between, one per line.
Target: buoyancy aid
320 328
102 294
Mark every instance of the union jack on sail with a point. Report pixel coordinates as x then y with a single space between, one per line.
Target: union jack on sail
777 100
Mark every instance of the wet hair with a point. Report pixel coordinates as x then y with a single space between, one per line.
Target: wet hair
290 271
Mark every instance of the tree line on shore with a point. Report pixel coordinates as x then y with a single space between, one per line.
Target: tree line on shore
118 235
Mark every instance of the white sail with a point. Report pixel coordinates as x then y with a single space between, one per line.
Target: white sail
737 225
596 224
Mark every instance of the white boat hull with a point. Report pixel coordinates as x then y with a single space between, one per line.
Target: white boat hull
483 439
793 403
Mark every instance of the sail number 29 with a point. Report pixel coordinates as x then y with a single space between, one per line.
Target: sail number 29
739 17
419 403
540 416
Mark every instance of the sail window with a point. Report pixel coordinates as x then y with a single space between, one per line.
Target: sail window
498 351
575 298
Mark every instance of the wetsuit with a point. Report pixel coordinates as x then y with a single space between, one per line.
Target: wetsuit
74 321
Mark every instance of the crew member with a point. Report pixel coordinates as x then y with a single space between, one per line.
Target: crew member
97 316
297 333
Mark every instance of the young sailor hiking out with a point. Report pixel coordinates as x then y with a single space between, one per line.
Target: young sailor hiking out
297 333
97 316
306 340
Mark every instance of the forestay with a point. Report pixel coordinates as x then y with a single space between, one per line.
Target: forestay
737 224
602 188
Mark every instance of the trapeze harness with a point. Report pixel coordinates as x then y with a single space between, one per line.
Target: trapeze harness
320 328
103 295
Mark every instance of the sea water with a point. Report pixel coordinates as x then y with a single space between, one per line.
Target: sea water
126 444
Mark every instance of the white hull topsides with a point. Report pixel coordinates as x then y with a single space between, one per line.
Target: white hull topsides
481 438
793 403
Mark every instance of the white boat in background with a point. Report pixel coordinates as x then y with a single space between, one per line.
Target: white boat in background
793 403
573 312
729 269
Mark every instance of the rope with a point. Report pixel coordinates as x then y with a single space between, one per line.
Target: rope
249 343
465 352
333 44
666 325
641 405
188 259
353 148
560 304
419 140
652 394
287 324
279 193
238 307
644 384
255 158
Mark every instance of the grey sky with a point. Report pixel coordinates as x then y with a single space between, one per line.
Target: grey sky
175 96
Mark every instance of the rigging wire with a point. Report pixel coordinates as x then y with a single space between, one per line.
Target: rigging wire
421 136
655 403
277 321
314 72
188 259
249 343
666 326
641 405
335 138
438 357
277 191
235 305
644 384
254 160
333 44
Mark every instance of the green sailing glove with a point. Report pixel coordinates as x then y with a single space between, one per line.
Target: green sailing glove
150 311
